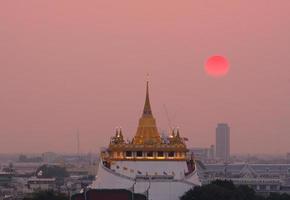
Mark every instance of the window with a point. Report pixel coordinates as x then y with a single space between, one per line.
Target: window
273 187
128 153
150 154
139 154
262 187
160 154
171 154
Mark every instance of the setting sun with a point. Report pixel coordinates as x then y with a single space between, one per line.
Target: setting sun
217 66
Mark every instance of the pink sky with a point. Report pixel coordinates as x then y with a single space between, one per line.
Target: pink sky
73 64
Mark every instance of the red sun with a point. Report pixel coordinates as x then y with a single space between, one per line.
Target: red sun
217 66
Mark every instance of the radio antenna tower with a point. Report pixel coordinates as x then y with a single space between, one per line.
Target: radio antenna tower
78 142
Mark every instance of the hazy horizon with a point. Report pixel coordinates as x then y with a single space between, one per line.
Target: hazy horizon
68 65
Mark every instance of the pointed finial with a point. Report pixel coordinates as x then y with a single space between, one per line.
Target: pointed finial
173 132
177 134
116 131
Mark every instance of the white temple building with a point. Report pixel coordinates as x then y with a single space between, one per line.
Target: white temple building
161 168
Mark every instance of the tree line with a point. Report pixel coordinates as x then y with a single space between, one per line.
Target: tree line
226 190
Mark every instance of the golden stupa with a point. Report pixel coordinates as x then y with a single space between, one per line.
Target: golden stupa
147 132
147 143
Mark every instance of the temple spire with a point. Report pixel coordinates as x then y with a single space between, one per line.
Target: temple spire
147 132
147 107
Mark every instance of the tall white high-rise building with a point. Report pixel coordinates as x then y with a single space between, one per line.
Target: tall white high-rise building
223 142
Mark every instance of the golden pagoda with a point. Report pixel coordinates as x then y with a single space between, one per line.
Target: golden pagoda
159 166
147 143
147 132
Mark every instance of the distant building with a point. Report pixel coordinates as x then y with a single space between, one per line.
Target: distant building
223 142
37 184
5 178
203 154
49 157
288 157
211 153
200 153
26 168
263 178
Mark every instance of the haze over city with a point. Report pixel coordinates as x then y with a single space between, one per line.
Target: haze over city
70 65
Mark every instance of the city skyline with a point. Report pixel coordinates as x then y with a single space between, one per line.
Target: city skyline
68 66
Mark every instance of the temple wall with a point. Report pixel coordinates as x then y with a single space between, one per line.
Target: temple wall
158 189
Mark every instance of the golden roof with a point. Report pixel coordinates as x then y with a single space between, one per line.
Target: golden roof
147 132
147 140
